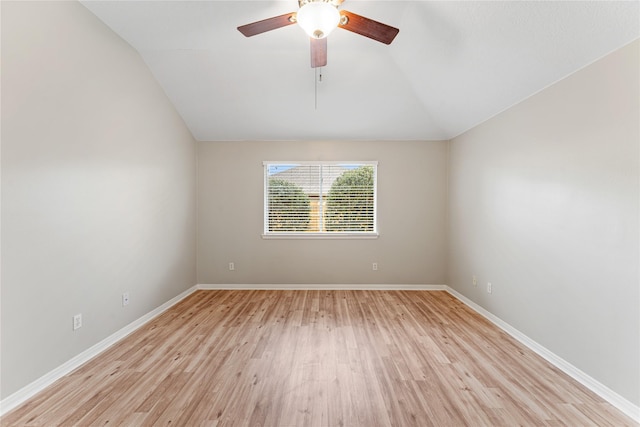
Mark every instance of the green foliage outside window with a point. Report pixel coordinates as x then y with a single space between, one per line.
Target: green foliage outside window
289 207
350 201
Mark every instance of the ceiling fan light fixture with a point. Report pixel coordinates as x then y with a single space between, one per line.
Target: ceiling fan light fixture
318 18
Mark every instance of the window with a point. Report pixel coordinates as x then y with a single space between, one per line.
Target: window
328 199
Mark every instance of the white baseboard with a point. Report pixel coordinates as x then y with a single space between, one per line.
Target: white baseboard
600 389
19 397
333 287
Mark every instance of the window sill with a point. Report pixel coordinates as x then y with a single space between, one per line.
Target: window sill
368 235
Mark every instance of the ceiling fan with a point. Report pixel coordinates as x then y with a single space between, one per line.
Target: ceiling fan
318 18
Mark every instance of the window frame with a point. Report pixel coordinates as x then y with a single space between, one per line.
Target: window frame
266 234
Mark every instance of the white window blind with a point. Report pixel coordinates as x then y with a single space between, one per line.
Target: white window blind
308 199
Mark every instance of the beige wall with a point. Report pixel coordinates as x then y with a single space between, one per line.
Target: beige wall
98 188
411 217
544 204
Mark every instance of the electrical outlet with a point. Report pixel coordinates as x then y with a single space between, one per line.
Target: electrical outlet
232 266
125 299
475 281
77 321
489 287
374 266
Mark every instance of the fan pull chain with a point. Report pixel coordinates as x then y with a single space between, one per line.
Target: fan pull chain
318 78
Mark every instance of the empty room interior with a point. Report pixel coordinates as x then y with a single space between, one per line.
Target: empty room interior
222 213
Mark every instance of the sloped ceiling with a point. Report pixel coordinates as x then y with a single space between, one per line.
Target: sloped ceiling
452 66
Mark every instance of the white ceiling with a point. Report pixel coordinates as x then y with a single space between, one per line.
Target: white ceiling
452 66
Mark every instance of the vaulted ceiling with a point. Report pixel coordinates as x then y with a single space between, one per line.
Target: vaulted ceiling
452 66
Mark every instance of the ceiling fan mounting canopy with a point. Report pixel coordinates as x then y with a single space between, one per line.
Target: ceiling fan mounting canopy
318 18
336 3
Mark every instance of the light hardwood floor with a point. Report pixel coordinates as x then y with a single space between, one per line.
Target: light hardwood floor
317 358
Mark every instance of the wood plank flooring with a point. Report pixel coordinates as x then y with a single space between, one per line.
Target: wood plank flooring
317 358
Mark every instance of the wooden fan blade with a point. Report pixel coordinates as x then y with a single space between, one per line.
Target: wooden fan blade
367 27
318 52
268 24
